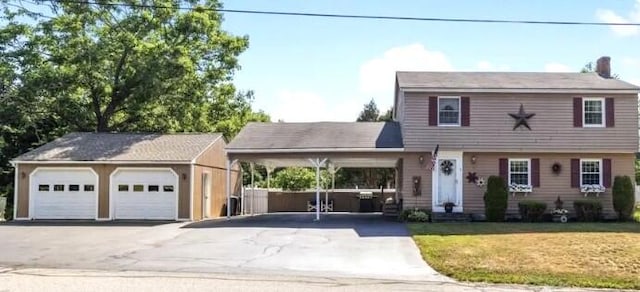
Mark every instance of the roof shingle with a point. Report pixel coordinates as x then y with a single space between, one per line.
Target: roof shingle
510 80
320 135
132 147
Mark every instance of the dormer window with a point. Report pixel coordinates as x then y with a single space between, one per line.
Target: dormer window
449 111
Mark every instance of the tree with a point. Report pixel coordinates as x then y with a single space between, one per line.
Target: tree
369 113
299 179
128 66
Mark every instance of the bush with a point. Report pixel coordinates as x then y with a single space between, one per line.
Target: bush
532 211
623 196
414 215
636 215
588 210
496 199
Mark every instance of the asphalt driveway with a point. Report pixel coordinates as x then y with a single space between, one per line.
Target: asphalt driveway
350 245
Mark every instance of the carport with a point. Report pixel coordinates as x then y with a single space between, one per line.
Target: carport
330 145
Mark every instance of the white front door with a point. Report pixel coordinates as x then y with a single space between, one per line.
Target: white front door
447 181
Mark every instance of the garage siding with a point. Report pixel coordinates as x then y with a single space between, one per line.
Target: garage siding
104 171
213 160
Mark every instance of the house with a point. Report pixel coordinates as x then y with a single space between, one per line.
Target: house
108 176
547 134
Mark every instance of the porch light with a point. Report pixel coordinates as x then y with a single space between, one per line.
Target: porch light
474 159
421 159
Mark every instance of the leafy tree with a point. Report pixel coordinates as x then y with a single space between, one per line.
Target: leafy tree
124 67
299 178
369 113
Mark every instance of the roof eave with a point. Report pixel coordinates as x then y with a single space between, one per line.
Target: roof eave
521 90
14 162
309 150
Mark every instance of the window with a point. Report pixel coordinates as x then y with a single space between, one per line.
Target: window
74 188
88 188
58 188
123 188
138 188
153 188
449 111
593 112
520 171
590 172
43 188
167 188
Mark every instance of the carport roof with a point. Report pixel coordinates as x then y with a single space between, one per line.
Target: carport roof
125 147
317 137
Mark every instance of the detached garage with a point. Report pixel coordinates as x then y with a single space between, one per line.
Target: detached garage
111 176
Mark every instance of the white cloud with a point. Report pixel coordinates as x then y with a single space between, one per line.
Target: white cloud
305 106
557 67
607 15
377 75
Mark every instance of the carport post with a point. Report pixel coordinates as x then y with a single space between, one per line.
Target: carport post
317 163
253 187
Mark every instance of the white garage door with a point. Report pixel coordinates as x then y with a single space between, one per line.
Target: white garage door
144 194
63 193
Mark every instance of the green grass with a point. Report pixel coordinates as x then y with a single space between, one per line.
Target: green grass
601 255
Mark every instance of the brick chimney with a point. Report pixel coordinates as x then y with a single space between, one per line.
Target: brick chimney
603 67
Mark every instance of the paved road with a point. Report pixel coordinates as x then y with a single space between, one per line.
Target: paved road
84 280
339 246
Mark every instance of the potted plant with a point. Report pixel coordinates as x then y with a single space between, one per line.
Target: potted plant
560 214
448 207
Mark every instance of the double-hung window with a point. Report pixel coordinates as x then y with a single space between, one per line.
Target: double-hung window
593 114
590 172
449 111
519 172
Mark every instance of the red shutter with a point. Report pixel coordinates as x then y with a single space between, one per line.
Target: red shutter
575 173
433 110
609 112
535 172
577 112
465 104
503 165
606 172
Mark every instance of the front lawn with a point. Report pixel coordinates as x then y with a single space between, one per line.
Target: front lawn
604 255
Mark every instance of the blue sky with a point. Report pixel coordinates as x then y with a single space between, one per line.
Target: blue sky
312 69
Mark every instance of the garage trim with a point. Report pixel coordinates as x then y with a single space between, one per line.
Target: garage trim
112 190
97 186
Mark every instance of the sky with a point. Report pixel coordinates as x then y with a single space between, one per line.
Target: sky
304 69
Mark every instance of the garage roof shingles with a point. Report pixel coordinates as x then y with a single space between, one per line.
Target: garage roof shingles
318 135
126 147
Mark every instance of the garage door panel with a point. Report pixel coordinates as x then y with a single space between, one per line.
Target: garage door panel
144 204
51 203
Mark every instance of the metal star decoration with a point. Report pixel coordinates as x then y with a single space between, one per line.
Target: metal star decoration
472 177
522 118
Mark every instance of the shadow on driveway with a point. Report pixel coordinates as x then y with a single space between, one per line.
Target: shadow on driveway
365 225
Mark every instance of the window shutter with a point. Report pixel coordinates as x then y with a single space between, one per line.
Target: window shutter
575 173
503 165
433 110
609 112
606 172
577 112
465 112
535 172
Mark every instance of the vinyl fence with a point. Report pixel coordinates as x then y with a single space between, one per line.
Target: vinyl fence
255 201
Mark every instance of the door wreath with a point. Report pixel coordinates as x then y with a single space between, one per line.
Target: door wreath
446 167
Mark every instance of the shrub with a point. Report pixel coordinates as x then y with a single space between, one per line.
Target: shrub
636 215
531 211
496 199
623 196
414 215
588 210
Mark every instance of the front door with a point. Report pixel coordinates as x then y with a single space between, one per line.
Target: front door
447 181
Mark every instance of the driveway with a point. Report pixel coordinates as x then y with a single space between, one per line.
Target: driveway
347 245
